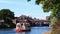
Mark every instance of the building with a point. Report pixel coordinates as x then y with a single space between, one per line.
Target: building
33 21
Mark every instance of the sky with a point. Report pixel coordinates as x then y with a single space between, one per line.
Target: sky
22 7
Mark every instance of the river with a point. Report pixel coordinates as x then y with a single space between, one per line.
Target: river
34 30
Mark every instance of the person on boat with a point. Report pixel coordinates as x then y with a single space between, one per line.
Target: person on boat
23 26
18 27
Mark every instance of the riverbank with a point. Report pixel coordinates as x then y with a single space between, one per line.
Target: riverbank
47 32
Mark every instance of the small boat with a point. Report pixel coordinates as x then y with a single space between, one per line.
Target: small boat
21 27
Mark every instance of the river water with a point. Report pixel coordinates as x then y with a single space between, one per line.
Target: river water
34 30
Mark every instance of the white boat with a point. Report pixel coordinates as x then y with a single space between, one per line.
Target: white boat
22 27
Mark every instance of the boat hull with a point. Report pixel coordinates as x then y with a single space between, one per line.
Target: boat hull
25 30
22 30
18 30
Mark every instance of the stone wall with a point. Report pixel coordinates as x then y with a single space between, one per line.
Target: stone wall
55 23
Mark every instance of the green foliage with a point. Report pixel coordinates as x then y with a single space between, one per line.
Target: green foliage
28 0
7 16
50 5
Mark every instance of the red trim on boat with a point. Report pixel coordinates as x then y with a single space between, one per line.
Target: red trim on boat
18 30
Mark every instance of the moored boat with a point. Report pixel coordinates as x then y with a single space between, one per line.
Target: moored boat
21 27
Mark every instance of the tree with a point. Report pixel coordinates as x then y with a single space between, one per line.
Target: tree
52 6
7 16
6 13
